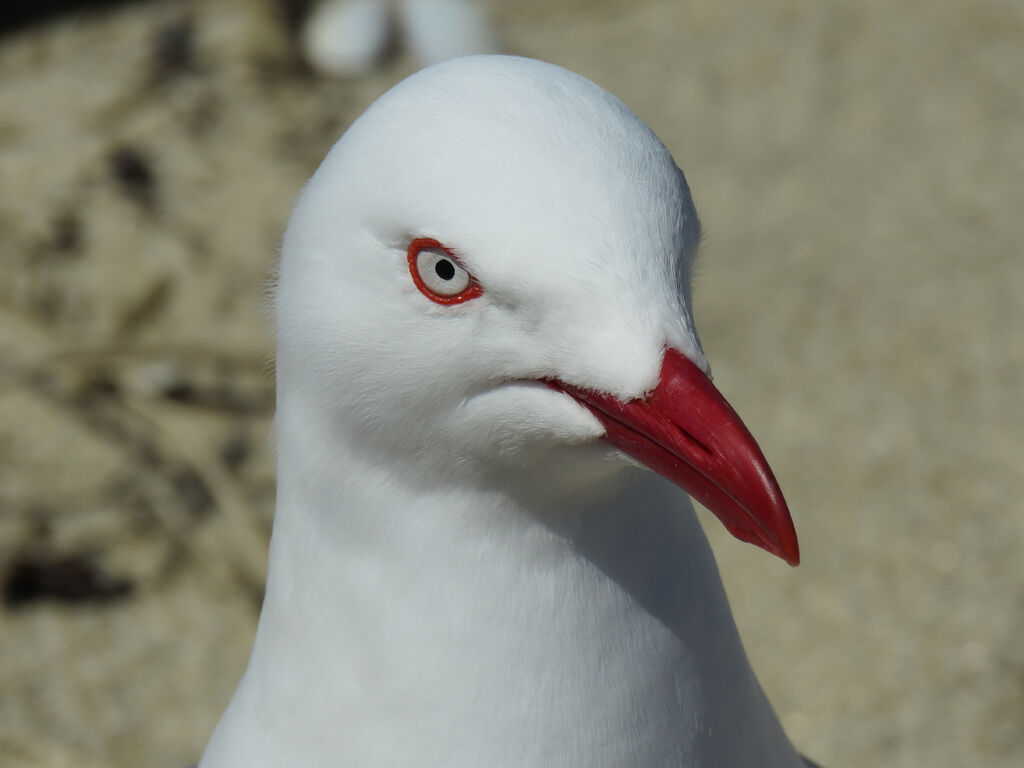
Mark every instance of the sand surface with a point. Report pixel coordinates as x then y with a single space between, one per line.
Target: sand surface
860 170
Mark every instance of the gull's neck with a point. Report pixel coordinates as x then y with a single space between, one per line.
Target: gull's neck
459 627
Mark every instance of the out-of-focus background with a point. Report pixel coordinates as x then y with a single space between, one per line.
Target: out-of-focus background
859 167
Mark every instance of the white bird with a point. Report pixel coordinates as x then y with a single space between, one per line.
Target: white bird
484 334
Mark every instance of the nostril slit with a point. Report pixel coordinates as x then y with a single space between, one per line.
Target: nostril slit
689 438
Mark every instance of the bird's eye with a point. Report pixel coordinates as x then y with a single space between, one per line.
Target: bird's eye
438 274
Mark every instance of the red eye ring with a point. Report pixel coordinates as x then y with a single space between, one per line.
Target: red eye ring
419 244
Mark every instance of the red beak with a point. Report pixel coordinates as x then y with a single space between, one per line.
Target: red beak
687 432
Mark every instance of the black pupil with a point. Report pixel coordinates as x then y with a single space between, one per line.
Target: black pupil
444 269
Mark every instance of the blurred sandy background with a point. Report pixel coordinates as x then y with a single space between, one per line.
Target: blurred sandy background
860 169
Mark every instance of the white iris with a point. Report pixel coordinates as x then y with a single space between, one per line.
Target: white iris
440 274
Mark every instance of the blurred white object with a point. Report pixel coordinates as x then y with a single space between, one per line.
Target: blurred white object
349 37
436 30
346 37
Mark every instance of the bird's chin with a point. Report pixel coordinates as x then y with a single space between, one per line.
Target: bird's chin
557 473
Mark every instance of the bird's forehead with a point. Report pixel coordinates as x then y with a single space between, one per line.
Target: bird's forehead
497 150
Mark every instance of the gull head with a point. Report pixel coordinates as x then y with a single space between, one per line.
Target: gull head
489 275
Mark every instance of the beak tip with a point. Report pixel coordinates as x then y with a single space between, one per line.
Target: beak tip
786 544
793 557
778 539
789 549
